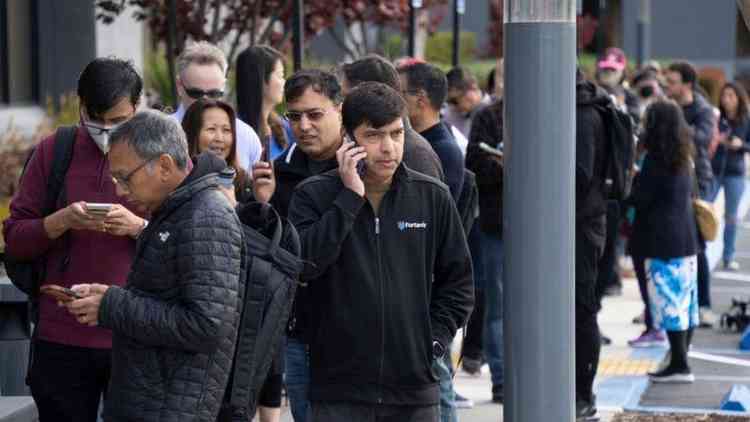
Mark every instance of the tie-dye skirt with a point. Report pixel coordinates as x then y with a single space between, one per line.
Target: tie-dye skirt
673 292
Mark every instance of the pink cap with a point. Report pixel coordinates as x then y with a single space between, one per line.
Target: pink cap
614 58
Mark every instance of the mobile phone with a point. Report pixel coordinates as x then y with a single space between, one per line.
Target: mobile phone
62 294
95 208
361 165
494 151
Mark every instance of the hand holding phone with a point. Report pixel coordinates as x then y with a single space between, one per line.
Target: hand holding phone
348 157
59 293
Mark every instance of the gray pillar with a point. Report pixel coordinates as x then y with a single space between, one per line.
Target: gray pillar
539 215
644 32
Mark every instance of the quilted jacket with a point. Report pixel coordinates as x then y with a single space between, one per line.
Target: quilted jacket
175 322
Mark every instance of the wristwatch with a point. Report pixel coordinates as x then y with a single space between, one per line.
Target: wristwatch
438 351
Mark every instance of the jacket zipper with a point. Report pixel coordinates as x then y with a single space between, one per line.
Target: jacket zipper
382 310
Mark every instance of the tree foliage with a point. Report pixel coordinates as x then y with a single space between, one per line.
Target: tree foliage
238 22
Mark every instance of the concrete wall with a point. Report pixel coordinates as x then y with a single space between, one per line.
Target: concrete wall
701 31
124 38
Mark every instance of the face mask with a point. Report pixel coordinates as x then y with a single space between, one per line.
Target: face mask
99 134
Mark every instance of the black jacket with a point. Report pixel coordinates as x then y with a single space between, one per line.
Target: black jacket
700 116
727 162
383 287
487 127
591 139
419 155
174 323
444 144
664 225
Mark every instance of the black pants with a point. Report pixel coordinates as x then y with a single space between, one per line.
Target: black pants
348 412
607 275
639 265
67 381
472 347
588 343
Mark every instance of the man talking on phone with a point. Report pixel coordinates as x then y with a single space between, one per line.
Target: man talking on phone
390 275
79 241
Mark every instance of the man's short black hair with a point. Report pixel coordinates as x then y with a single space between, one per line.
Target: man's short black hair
371 68
460 79
105 81
322 82
428 78
373 103
687 72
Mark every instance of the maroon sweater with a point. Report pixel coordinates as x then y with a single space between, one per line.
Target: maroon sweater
93 256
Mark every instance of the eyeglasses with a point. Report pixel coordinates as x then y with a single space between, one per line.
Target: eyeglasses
197 93
124 182
96 130
313 115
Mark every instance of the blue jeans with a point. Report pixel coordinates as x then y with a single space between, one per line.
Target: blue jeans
447 395
734 187
298 379
492 272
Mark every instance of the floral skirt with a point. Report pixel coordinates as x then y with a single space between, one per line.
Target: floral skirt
673 292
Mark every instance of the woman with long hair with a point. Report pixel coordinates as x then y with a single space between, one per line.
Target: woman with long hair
210 127
665 234
729 161
260 88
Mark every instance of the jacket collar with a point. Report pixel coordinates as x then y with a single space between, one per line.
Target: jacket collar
203 176
296 162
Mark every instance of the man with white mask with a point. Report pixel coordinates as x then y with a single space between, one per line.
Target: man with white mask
87 236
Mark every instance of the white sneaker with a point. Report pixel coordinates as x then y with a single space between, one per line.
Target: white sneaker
669 377
706 317
463 402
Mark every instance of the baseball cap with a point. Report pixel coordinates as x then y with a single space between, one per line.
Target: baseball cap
613 58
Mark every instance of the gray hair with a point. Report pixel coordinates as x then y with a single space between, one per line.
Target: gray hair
152 133
202 52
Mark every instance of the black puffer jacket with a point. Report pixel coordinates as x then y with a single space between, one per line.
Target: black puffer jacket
700 116
174 323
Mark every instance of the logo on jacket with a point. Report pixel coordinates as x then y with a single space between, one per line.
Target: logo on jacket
163 236
405 225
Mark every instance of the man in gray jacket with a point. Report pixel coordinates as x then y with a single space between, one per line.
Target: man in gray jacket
175 322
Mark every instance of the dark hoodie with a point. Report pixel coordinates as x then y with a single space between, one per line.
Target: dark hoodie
591 137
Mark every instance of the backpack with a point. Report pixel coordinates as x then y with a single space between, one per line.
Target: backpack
28 275
271 268
619 151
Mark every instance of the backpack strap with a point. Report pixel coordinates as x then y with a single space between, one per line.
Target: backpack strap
65 138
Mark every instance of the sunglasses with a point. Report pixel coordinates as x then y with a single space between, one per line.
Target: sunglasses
197 94
313 115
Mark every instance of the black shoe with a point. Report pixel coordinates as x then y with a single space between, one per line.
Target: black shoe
586 411
605 341
670 375
471 366
498 394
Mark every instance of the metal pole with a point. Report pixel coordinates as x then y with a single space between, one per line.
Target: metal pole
540 62
171 42
458 10
413 6
298 34
644 32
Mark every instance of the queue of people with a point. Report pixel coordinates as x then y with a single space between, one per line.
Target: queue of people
392 175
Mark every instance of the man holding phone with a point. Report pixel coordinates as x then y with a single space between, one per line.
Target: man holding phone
397 233
78 242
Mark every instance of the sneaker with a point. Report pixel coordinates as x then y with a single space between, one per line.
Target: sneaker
471 366
672 376
586 411
706 317
653 338
463 402
498 394
731 265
